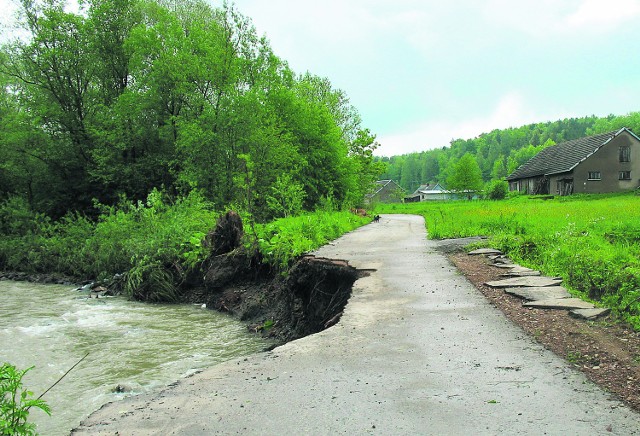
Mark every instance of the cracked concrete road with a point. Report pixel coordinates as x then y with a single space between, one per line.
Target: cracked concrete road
417 351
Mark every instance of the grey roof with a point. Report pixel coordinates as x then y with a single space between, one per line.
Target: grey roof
420 188
564 157
381 184
427 188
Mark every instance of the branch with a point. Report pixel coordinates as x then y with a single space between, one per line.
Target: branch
63 376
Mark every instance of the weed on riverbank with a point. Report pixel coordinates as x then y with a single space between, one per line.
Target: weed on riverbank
153 246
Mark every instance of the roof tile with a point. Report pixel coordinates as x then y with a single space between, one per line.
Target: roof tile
562 157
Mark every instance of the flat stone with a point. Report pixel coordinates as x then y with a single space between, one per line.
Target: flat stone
535 281
518 268
516 273
504 265
485 251
589 314
539 293
560 303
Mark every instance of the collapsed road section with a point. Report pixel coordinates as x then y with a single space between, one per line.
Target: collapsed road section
418 350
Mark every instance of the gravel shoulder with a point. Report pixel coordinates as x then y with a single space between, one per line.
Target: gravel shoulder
607 351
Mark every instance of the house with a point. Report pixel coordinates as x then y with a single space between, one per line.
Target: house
607 162
385 191
428 192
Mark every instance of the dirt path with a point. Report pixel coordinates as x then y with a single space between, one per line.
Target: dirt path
418 351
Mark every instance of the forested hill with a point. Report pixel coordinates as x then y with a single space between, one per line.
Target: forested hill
500 152
128 96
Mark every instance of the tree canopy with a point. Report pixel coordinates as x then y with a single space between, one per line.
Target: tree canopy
465 176
499 152
130 95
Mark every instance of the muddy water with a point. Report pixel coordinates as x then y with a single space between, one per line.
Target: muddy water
140 346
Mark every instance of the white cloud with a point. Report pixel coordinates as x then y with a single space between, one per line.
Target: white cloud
549 18
538 18
310 32
603 14
511 110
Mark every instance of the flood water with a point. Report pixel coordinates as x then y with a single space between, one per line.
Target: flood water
141 346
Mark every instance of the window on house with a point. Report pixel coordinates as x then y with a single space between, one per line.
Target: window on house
624 175
594 175
625 153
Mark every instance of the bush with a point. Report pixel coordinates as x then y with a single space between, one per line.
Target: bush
281 241
129 235
497 190
153 244
16 402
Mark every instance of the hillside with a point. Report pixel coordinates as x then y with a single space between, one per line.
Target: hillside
499 152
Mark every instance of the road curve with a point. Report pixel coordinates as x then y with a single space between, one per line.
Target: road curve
418 351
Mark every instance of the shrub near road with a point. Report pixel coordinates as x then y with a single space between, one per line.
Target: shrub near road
285 239
592 242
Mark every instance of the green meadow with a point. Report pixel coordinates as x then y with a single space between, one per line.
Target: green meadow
592 242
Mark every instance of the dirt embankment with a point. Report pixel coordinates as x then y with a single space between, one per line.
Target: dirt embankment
283 306
306 299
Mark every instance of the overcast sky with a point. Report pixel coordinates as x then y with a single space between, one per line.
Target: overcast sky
423 72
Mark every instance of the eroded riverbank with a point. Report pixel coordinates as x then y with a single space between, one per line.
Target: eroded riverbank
418 351
54 324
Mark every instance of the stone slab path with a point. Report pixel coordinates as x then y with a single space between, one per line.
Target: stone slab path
418 351
560 303
526 281
539 293
543 292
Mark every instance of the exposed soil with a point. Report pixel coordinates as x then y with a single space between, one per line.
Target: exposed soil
308 299
607 350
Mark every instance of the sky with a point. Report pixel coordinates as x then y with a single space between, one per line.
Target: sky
423 72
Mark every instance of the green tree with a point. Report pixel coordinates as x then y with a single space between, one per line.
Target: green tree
523 155
410 179
466 176
53 72
286 197
130 95
364 170
499 170
611 123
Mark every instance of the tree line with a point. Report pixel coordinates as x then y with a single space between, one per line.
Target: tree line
126 96
493 156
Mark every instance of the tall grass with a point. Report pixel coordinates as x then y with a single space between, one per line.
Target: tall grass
123 237
284 239
152 244
591 241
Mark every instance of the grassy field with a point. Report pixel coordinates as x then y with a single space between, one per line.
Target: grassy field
592 242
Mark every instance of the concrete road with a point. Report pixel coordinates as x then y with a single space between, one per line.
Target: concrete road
418 351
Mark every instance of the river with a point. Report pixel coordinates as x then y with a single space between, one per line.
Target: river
140 346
